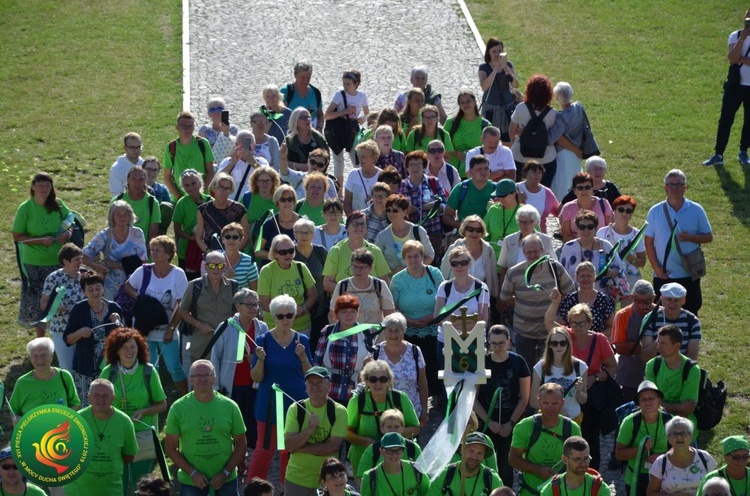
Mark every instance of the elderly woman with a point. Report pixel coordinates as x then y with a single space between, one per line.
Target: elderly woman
360 181
569 145
266 145
596 167
533 192
317 163
333 229
414 291
391 240
121 240
138 392
44 384
218 133
241 163
364 410
68 278
407 363
217 213
429 130
465 128
583 185
233 377
277 113
447 175
166 283
621 230
424 194
316 192
527 218
680 470
259 201
499 82
410 115
345 357
314 258
588 248
282 356
281 222
185 217
286 276
473 230
419 76
240 266
600 305
302 139
40 227
500 218
537 98
91 321
384 136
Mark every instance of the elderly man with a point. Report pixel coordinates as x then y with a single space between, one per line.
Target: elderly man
187 152
472 472
537 444
470 196
500 157
301 93
205 436
208 301
118 173
528 295
242 163
673 297
394 473
734 473
576 458
113 442
313 432
419 77
666 254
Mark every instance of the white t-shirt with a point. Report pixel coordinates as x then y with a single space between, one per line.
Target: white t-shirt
744 69
370 306
168 291
613 237
472 305
571 408
682 480
322 238
359 100
537 200
360 187
118 174
238 172
501 159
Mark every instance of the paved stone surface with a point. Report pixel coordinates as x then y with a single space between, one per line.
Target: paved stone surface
237 47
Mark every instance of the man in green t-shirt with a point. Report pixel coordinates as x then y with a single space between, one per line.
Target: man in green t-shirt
145 206
11 480
470 196
576 481
537 444
394 475
205 434
113 442
735 472
317 438
470 476
189 152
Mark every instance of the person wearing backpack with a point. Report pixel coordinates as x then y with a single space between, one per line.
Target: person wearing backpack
578 479
470 196
186 152
734 472
144 204
399 476
390 421
301 93
533 128
470 476
375 297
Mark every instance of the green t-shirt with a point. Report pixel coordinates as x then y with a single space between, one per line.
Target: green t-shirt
670 383
111 439
30 392
366 424
186 214
188 157
656 431
258 207
315 214
740 487
467 136
490 458
366 462
408 482
31 490
473 486
339 261
304 468
33 220
147 210
500 223
275 281
206 432
474 202
136 396
546 451
582 490
441 135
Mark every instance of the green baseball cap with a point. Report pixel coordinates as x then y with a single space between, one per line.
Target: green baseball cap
392 440
319 371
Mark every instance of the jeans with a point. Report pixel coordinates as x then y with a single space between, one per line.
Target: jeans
170 354
228 489
734 96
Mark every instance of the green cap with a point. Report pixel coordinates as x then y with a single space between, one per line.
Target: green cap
392 440
504 187
319 371
478 438
734 443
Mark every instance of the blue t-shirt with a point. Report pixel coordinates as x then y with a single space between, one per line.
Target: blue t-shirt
310 102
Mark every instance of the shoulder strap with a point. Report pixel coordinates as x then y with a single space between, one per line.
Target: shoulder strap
663 465
376 352
448 287
451 175
536 431
246 199
148 369
301 277
657 366
375 454
567 428
411 451
637 419
300 413
545 112
415 233
596 485
147 269
120 196
214 338
241 185
197 288
331 411
592 348
703 458
686 369
318 97
577 367
449 474
377 286
298 205
343 95
396 397
487 479
289 93
374 474
429 274
556 485
343 286
172 151
462 193
202 146
65 385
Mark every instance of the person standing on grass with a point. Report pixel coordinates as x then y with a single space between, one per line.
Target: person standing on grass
118 173
190 152
673 298
735 472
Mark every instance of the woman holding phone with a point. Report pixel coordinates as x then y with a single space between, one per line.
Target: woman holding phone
498 80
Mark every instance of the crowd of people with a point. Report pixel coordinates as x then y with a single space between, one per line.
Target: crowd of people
288 289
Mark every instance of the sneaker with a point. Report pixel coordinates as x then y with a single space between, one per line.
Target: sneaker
717 159
743 158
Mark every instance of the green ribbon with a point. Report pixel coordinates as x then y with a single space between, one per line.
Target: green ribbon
493 405
638 462
279 416
630 247
241 339
608 261
262 221
272 116
432 213
59 294
355 330
556 467
452 400
530 270
449 309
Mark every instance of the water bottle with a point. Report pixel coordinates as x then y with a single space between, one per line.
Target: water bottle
67 223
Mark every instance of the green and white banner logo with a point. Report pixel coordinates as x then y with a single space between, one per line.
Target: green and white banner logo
51 445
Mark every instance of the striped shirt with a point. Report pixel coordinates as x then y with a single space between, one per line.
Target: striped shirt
686 321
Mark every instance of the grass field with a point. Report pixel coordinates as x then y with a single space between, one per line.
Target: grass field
78 75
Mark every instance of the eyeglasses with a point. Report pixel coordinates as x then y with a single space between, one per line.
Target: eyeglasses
232 236
394 451
435 150
286 199
579 323
9 467
674 185
498 343
683 434
282 316
558 344
373 379
478 230
214 266
583 187
213 110
288 251
316 163
264 181
358 224
624 210
249 305
734 457
460 263
586 227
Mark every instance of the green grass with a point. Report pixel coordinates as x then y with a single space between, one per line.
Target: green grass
650 75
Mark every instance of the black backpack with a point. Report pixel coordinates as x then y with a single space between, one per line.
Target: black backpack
330 412
451 472
395 398
638 419
534 139
411 452
374 476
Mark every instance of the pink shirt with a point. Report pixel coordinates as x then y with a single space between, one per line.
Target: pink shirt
569 211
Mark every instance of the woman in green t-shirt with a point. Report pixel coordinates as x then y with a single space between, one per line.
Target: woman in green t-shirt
465 128
185 218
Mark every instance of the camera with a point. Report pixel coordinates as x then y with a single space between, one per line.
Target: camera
747 22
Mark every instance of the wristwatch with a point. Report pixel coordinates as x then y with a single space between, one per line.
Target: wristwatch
227 473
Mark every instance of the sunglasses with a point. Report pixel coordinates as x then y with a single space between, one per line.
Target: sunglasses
286 199
232 236
435 150
460 263
734 457
289 251
624 210
558 344
214 266
213 110
316 163
585 227
282 316
583 187
373 379
392 210
473 229
9 467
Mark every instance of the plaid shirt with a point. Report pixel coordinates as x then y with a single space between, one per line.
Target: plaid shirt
375 224
429 187
396 159
340 358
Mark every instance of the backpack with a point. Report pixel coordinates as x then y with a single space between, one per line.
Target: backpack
711 399
538 429
395 397
330 413
173 149
376 283
374 472
147 371
534 139
451 177
411 452
664 463
188 329
477 285
638 419
290 95
451 472
598 481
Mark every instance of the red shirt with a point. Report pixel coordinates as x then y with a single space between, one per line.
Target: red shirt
602 351
242 372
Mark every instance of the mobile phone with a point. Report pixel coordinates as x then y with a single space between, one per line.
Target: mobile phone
246 142
225 117
747 22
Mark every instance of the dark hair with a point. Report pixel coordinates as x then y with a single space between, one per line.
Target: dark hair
154 485
354 75
357 214
576 443
399 201
538 91
492 43
416 155
344 302
500 330
332 466
586 215
456 123
333 204
91 278
673 332
390 175
478 159
363 255
68 252
391 115
624 200
51 204
257 486
117 340
532 164
582 177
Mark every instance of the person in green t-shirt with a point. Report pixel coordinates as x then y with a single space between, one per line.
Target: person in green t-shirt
576 480
205 434
470 196
394 475
188 154
185 218
145 206
113 444
734 473
12 482
470 476
501 216
390 421
316 440
316 191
